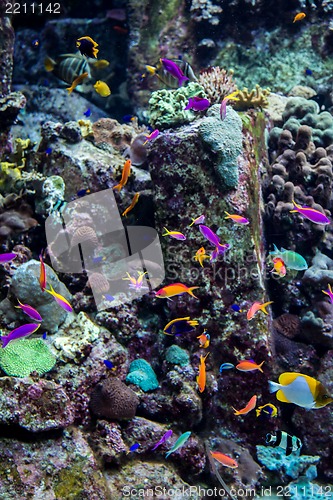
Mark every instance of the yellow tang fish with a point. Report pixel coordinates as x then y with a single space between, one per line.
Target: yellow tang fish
102 88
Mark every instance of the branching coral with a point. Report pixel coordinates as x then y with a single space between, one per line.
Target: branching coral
256 98
217 83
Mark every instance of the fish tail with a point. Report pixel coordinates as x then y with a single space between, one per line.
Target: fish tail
228 215
167 454
259 367
182 79
263 307
190 291
69 90
118 186
273 386
5 340
236 411
166 233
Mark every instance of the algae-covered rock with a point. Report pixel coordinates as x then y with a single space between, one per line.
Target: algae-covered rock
142 374
24 356
166 107
177 356
224 137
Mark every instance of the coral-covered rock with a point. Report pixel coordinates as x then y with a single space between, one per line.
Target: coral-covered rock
141 374
112 399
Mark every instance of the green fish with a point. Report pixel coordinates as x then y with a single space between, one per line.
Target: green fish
179 443
291 259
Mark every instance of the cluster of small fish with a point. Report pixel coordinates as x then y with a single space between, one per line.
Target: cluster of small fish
30 328
75 68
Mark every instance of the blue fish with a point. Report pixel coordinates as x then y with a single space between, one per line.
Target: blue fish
109 364
87 113
35 42
226 366
128 118
83 192
48 151
98 259
134 447
108 297
308 71
44 336
236 308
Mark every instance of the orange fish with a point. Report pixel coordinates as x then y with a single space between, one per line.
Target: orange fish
257 306
224 459
42 273
299 17
279 267
78 80
204 339
124 176
250 406
249 365
201 378
176 289
132 205
200 256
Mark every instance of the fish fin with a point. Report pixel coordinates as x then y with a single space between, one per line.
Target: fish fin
236 411
289 377
69 90
118 186
5 340
281 397
273 386
259 367
166 233
228 215
49 64
292 211
190 291
182 79
263 306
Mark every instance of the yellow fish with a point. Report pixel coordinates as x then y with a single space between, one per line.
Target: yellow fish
300 390
200 256
102 88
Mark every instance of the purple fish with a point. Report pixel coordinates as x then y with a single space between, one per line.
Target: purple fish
163 439
219 250
311 214
197 103
20 332
209 235
29 311
174 70
7 257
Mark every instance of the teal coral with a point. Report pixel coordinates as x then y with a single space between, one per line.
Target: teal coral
142 374
177 356
166 107
224 137
22 357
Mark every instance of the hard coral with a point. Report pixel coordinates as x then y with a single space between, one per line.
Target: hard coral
112 132
255 98
113 400
22 357
217 83
288 325
142 374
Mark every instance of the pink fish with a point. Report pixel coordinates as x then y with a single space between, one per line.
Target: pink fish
20 332
311 214
172 68
198 220
151 136
163 439
237 218
250 406
257 306
7 257
174 234
30 311
60 299
197 103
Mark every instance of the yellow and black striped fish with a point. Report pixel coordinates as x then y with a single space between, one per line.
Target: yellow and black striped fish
67 67
166 77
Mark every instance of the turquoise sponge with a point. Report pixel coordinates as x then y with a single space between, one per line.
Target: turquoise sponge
177 356
142 374
24 356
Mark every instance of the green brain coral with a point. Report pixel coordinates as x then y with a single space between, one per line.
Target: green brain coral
166 107
142 374
24 356
177 356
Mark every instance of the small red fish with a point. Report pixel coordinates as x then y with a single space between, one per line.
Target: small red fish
257 306
250 406
175 289
248 365
42 274
201 378
224 459
299 17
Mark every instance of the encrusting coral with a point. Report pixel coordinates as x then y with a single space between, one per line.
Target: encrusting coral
24 356
142 374
113 400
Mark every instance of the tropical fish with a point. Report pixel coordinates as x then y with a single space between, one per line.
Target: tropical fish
236 308
35 42
20 332
180 325
311 214
109 364
128 118
201 378
300 390
179 443
67 67
198 220
175 289
151 136
279 267
223 107
87 46
250 406
78 80
124 176
163 439
82 192
174 234
248 365
87 113
29 311
48 151
214 240
200 256
197 103
308 71
60 299
167 78
299 17
44 336
174 70
101 64
291 259
204 340
226 366
329 293
283 440
224 459
108 297
7 257
134 447
42 273
136 283
102 88
257 306
219 251
237 218
132 205
268 409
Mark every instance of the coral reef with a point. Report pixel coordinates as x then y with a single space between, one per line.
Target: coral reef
141 374
21 358
113 400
